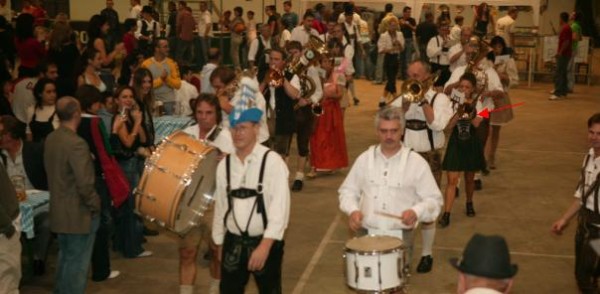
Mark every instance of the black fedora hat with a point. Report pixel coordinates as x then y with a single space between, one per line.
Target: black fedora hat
486 256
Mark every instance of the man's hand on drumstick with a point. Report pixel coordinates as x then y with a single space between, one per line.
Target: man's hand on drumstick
356 220
260 254
408 217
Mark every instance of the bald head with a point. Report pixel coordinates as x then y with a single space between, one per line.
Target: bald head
67 109
465 34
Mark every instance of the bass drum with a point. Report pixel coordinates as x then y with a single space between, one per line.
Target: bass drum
177 186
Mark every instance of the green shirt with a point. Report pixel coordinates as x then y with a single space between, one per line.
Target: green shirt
576 28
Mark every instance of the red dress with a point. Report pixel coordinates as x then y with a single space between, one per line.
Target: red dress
328 142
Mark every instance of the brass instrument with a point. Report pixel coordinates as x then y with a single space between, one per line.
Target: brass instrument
414 91
313 50
276 78
466 110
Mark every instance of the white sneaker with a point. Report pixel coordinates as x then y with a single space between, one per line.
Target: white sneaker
114 274
556 97
146 253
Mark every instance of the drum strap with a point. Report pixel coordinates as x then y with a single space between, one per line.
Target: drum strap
243 193
214 134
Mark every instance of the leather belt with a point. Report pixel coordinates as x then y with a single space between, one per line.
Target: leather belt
416 125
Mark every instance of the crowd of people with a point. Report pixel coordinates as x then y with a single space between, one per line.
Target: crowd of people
79 122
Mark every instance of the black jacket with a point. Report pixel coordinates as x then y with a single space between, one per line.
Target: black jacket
33 160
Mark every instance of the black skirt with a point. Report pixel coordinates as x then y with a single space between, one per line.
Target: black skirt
464 153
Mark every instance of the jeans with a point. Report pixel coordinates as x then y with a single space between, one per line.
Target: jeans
128 227
560 76
368 61
204 45
379 68
184 52
75 252
571 73
406 57
100 254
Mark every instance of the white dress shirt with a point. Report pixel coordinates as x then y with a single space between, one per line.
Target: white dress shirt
151 25
442 112
205 85
223 141
505 28
480 290
390 185
135 11
285 36
591 173
276 195
355 18
205 20
462 60
301 35
386 42
435 52
493 81
17 167
183 95
23 98
254 49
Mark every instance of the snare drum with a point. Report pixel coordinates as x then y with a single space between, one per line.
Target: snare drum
178 182
375 264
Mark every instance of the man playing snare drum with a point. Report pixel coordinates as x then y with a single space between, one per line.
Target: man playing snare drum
390 188
207 114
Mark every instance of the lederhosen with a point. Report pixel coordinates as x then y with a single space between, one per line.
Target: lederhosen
444 69
146 46
238 249
587 262
433 156
39 130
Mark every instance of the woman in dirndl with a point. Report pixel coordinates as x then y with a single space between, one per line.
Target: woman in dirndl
509 76
465 151
328 142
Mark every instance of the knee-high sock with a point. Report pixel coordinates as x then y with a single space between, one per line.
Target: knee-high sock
428 235
186 289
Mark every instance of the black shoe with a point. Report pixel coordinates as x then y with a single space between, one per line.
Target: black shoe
470 209
297 185
150 232
382 105
425 264
478 185
444 220
356 101
39 267
457 191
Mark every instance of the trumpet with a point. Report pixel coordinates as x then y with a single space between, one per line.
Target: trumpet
414 91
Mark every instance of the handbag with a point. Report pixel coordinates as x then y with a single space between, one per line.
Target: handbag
115 179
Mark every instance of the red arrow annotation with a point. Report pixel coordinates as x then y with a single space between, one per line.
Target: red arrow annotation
485 113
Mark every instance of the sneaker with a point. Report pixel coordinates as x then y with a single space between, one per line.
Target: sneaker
425 264
146 253
556 97
297 186
113 274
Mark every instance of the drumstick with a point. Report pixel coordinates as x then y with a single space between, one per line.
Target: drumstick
388 215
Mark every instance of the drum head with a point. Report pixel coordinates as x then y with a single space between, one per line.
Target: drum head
373 243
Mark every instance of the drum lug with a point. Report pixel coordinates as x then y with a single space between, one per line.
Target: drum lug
150 219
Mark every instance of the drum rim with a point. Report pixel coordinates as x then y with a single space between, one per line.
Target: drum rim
401 286
399 248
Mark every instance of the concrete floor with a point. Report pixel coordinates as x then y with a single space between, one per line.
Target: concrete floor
538 161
